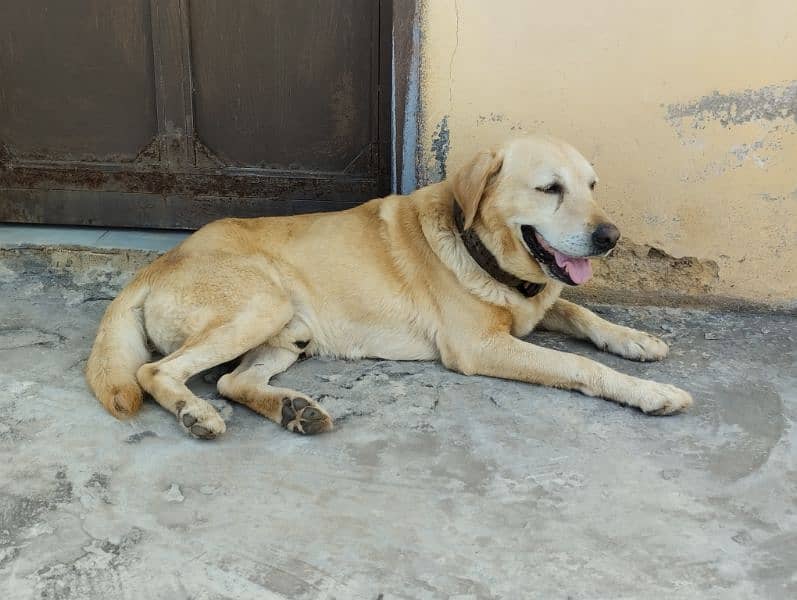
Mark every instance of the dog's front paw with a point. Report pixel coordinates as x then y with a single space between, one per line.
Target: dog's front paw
634 345
662 398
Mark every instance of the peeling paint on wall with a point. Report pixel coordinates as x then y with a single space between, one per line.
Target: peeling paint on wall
490 118
758 118
440 146
515 127
735 108
760 153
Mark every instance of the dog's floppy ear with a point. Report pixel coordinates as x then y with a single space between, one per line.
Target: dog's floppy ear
469 182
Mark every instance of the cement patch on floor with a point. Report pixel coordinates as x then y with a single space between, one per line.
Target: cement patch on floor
434 485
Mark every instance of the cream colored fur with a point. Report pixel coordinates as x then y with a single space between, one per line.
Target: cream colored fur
390 278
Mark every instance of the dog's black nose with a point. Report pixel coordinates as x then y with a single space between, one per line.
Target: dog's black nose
605 237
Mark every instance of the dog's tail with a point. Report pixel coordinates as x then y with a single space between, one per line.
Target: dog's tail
119 350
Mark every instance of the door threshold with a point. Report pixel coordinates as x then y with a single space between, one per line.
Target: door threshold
16 236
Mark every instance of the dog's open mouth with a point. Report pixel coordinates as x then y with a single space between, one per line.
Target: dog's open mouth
573 270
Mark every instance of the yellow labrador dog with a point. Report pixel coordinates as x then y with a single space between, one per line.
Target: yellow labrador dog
458 271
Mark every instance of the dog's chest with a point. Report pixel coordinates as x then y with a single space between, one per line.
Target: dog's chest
527 313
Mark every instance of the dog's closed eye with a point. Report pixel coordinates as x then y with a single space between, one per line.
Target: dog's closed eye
552 188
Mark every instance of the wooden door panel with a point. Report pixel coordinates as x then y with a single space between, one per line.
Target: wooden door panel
76 79
285 85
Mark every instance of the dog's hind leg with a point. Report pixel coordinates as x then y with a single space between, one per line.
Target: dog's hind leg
249 385
256 320
583 324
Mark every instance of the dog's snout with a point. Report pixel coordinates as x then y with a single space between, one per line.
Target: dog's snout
605 237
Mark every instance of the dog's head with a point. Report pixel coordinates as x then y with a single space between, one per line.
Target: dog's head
534 198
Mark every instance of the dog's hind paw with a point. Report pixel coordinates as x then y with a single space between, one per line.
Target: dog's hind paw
200 420
302 415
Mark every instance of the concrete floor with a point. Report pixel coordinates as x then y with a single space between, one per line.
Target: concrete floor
434 485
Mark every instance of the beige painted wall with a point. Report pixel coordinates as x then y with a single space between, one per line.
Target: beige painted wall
688 110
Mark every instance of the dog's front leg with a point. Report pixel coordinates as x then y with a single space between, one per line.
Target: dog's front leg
502 355
581 323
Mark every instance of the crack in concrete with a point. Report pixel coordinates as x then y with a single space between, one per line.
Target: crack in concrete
15 338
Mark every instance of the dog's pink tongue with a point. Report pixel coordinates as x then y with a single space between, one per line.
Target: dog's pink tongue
578 269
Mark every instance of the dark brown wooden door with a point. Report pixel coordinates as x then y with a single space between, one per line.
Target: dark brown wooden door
171 113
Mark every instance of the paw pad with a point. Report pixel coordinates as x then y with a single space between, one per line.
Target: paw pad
300 416
190 422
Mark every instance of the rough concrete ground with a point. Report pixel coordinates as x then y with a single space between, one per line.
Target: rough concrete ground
434 485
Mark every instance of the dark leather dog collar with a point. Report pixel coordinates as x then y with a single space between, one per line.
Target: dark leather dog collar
487 261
